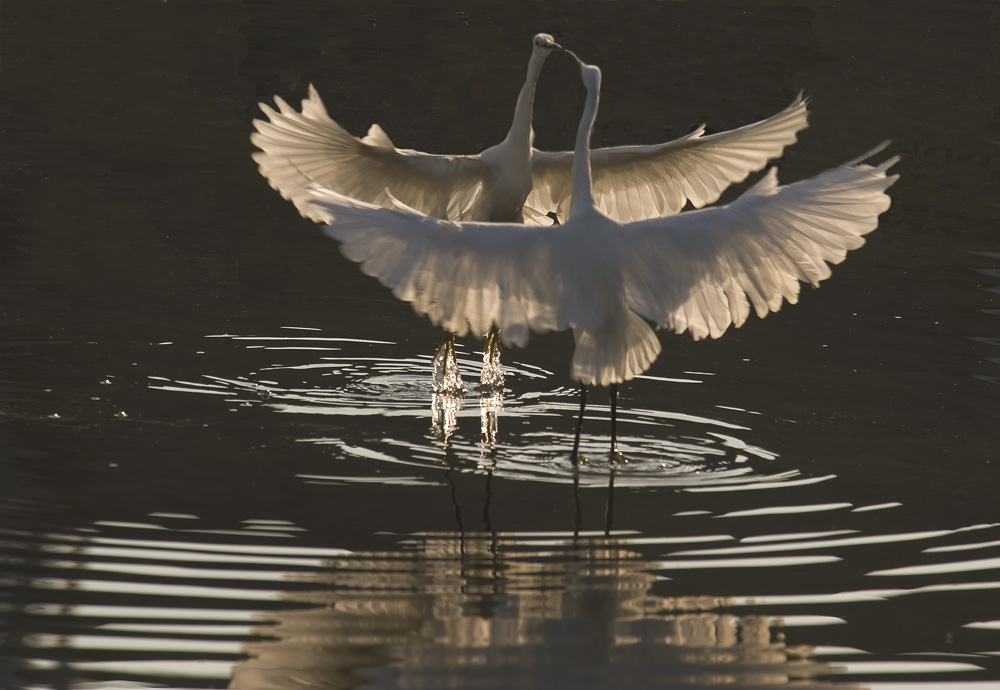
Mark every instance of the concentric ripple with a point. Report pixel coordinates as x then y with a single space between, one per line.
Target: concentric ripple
525 432
173 602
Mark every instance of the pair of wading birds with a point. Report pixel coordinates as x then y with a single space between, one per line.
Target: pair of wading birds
469 242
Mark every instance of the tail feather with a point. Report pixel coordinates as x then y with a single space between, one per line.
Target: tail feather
614 352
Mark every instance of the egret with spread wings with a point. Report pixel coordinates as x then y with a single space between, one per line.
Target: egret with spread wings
511 181
698 271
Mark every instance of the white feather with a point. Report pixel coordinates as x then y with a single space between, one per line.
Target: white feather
511 181
639 182
698 271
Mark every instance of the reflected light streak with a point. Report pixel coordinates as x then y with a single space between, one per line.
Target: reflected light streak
170 668
92 552
962 547
827 543
154 612
939 568
806 621
173 571
774 562
857 596
877 506
786 510
789 536
157 589
866 667
122 643
763 485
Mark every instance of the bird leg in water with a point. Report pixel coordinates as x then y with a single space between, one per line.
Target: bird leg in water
447 378
613 394
492 376
579 425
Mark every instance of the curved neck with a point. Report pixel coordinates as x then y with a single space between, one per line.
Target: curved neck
583 195
520 128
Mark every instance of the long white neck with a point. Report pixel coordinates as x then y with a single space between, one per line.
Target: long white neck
583 196
520 128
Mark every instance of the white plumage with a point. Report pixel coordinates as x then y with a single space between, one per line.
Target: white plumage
512 180
699 271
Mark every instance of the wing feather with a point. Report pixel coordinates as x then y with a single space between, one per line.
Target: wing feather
694 168
308 147
701 271
462 276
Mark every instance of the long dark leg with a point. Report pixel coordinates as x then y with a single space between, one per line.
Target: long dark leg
579 424
614 410
609 505
578 523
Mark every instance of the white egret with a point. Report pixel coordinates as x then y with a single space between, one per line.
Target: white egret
699 271
511 181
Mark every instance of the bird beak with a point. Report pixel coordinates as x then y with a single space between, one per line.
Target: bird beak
570 53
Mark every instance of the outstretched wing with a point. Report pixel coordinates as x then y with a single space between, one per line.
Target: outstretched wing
301 148
701 271
638 182
463 276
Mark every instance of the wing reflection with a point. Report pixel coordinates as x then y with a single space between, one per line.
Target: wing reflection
170 601
488 610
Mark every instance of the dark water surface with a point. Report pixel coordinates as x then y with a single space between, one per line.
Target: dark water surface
221 461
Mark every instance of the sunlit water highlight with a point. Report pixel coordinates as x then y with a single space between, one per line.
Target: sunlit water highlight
524 431
754 580
463 609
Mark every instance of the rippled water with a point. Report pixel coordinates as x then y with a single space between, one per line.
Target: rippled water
170 601
523 435
222 459
697 558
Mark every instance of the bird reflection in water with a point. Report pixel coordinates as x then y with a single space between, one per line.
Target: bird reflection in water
510 610
490 404
444 414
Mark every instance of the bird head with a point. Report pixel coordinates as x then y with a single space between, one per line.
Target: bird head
545 42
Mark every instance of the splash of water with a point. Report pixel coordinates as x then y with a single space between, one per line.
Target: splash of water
447 378
492 376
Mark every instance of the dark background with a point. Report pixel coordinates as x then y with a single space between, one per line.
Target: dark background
131 214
